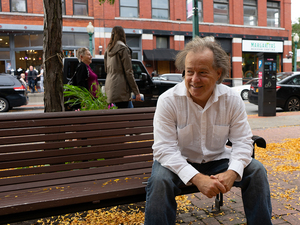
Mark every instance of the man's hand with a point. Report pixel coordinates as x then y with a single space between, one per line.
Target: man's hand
208 185
226 178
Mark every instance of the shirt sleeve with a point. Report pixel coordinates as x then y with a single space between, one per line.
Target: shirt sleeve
165 148
241 137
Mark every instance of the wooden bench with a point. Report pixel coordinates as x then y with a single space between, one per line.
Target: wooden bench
57 163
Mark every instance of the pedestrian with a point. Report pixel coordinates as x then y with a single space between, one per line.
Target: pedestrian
31 76
41 76
84 76
192 123
22 79
120 80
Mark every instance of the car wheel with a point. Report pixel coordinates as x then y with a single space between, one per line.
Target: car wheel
4 106
292 104
244 94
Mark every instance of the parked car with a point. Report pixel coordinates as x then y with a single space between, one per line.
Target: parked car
287 91
12 93
172 76
244 89
151 88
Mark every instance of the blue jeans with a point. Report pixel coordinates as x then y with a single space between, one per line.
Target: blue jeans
31 83
163 186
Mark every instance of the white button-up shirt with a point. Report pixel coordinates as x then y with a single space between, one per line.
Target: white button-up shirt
184 131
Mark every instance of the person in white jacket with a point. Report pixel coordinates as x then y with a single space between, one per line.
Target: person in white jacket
192 124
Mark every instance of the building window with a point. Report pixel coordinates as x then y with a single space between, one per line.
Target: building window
189 4
129 8
160 9
81 7
162 42
4 42
63 5
250 12
134 42
221 12
273 14
18 6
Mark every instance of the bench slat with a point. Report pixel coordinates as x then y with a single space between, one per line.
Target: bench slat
73 158
75 151
72 128
73 166
67 181
75 135
70 144
141 163
73 120
53 196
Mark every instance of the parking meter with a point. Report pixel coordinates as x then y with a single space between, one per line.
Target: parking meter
267 85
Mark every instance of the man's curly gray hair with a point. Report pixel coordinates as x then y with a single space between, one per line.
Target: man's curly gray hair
221 59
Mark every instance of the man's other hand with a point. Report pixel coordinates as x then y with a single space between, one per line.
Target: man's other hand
208 185
227 178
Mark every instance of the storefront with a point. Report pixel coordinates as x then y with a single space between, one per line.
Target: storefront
19 50
250 49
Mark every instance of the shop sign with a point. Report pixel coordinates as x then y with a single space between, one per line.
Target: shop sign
262 46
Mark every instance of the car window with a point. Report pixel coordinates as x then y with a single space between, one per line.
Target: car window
137 69
98 68
294 81
6 81
281 76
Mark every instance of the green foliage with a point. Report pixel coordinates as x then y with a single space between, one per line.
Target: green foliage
80 95
108 1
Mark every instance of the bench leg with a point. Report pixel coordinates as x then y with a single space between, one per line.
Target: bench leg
218 204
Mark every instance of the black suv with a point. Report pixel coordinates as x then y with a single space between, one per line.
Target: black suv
12 93
149 87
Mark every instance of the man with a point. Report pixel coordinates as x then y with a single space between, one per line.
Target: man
32 75
192 123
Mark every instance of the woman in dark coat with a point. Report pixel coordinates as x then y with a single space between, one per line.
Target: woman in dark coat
85 76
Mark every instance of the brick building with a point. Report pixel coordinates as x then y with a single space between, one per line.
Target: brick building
155 30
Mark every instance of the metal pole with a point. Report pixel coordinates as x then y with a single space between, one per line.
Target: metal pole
295 59
91 43
195 19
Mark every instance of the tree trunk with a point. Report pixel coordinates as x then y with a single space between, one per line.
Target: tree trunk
53 56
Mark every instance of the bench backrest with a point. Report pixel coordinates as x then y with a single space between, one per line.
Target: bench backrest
66 144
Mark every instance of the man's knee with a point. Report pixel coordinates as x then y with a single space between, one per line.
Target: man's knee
162 178
256 169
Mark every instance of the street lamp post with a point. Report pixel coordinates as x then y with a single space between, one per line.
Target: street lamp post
296 40
90 30
195 19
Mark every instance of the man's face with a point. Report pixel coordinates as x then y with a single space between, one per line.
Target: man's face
30 68
200 77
